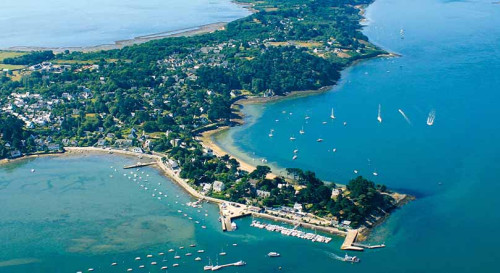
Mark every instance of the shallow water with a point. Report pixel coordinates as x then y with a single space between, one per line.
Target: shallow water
58 23
450 61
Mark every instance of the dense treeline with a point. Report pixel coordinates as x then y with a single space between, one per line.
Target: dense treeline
31 58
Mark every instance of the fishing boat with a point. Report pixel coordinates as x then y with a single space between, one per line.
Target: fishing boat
431 117
302 131
273 254
379 117
352 259
332 116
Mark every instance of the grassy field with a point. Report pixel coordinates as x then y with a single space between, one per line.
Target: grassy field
10 66
10 54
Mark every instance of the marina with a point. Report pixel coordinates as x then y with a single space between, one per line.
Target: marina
292 232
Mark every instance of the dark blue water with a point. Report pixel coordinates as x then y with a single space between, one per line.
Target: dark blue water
450 62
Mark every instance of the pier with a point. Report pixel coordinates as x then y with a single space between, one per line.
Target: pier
139 165
350 238
228 212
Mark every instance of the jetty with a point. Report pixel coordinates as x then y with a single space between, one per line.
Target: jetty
139 165
350 238
229 211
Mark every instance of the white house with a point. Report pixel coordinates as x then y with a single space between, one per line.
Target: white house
218 186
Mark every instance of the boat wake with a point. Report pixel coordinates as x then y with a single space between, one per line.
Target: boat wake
404 116
335 256
431 117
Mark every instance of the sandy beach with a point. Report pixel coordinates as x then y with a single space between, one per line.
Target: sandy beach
137 40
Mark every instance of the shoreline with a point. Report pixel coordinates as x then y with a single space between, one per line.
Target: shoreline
207 138
185 32
173 175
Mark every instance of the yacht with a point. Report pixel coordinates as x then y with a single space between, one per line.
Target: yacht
113 264
193 245
355 171
324 122
201 251
209 266
294 157
171 250
334 150
153 263
307 117
149 256
273 254
129 270
164 268
375 173
175 265
295 151
292 138
222 253
332 116
197 259
189 254
352 259
319 140
177 256
137 258
345 123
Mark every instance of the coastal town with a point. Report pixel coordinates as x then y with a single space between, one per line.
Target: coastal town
157 98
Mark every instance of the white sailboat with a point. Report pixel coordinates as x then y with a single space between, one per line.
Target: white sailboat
431 117
302 130
379 117
271 133
292 138
332 116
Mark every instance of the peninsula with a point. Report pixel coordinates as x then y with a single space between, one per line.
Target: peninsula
155 98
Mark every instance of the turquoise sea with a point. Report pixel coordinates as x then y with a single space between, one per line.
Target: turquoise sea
59 23
71 215
450 63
